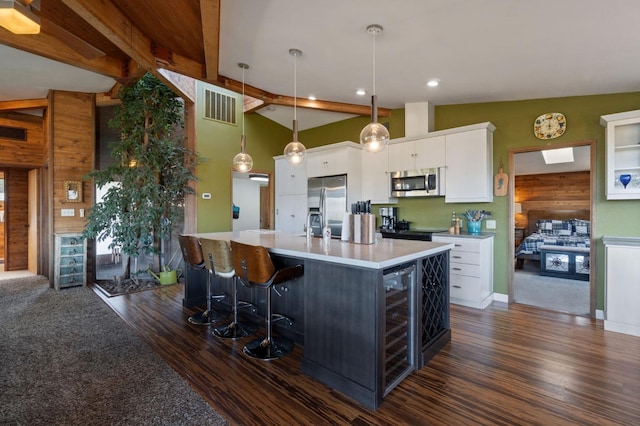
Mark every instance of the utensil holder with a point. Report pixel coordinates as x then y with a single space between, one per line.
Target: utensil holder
363 228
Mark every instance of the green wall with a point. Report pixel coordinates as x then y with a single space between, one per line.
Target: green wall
219 143
514 130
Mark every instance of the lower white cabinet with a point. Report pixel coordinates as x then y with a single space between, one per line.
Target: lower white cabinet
70 261
470 269
622 287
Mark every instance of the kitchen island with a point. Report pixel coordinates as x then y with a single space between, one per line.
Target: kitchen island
367 315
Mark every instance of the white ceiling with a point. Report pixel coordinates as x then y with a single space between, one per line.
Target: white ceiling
480 50
532 163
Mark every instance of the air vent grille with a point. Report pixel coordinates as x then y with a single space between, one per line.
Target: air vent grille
13 133
219 107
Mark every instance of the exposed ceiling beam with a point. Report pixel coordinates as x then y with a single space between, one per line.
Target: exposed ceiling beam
50 47
23 104
107 19
181 84
270 98
210 17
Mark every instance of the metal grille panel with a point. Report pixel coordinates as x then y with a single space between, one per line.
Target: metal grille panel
435 297
219 107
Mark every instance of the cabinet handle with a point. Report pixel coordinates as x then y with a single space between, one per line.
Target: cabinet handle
457 286
456 269
457 257
458 245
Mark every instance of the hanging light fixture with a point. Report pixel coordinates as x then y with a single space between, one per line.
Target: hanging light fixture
295 152
18 18
374 137
242 162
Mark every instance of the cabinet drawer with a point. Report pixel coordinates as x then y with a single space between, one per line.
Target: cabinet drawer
463 287
69 241
464 269
70 280
465 257
71 250
71 269
72 261
461 244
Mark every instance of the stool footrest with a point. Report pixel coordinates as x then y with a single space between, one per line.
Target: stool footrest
235 330
206 317
268 349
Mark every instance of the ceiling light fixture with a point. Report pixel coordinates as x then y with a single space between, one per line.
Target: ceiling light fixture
361 92
259 178
558 155
242 162
295 152
18 18
433 83
375 136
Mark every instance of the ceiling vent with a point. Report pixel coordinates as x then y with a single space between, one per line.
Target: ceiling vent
13 133
219 107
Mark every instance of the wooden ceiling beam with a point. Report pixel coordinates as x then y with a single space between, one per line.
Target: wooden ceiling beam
50 47
109 21
270 98
23 104
210 17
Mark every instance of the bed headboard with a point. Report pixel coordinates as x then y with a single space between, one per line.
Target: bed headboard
534 215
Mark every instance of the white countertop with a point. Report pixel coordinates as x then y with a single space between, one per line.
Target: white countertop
386 253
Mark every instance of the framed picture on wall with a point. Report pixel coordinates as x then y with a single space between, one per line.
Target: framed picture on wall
73 191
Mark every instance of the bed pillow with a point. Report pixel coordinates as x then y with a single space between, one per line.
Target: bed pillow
554 227
582 228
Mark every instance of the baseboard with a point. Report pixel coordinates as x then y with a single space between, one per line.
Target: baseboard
499 297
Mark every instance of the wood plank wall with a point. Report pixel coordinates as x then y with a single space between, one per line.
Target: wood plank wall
29 153
72 137
17 223
552 191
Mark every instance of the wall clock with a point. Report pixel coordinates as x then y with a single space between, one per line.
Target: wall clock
550 125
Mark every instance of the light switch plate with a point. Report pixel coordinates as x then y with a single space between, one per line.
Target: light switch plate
206 195
67 212
491 224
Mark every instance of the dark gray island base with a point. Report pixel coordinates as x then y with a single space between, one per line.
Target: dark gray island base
365 324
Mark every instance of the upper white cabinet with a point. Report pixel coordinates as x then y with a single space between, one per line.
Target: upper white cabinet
335 159
469 170
375 177
290 179
421 153
623 155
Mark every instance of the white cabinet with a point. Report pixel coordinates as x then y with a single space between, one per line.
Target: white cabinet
424 153
622 155
335 159
470 270
291 213
70 261
622 288
375 177
469 170
290 179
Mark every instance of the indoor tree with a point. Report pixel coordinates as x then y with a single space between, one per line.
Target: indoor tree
152 169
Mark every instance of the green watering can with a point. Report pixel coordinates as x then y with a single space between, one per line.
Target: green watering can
167 276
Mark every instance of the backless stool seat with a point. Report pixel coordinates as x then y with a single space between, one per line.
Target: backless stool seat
220 263
193 257
254 268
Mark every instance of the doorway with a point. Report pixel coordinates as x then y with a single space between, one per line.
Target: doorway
252 198
546 201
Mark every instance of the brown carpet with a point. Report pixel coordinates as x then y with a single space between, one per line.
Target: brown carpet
67 359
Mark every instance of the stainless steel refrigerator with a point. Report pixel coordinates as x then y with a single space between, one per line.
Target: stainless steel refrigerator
328 196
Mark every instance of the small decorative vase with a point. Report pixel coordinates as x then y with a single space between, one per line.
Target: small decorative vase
625 179
474 227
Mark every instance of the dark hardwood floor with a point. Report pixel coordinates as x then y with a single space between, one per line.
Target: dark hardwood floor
505 365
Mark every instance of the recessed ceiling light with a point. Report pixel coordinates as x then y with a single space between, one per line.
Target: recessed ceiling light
433 82
312 98
361 92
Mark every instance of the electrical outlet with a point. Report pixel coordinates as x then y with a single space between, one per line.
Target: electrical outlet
81 212
491 224
67 212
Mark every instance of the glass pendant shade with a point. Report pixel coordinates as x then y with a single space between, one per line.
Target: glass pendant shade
242 162
295 152
375 136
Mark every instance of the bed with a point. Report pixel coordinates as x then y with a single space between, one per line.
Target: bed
560 240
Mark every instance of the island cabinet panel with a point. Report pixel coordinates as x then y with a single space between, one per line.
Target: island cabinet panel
342 327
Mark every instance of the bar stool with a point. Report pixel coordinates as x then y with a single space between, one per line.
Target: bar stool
192 254
221 264
254 268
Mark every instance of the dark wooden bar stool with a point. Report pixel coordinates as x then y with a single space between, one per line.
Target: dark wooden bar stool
254 268
218 253
193 257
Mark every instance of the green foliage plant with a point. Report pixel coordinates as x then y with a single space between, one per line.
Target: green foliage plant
152 169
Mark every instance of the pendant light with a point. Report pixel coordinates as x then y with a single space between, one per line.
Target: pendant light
295 152
374 137
242 162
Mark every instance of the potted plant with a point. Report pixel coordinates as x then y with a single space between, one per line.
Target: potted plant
152 169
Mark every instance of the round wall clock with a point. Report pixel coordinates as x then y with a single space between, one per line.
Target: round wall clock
550 125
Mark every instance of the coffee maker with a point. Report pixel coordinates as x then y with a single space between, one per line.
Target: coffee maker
389 218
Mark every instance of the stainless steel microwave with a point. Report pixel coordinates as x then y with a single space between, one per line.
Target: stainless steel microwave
417 183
